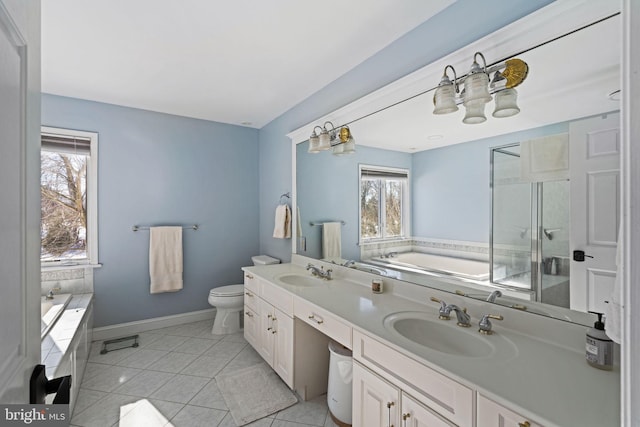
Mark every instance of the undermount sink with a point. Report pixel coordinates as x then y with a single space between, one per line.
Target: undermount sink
444 336
300 280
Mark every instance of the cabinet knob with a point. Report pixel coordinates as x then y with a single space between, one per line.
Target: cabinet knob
248 313
390 404
249 294
248 276
405 416
524 424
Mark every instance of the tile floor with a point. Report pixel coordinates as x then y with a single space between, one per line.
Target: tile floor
169 381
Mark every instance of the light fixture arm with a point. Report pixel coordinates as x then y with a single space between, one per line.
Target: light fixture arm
455 77
484 62
325 126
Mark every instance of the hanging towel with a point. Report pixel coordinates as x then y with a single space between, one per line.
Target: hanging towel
614 309
298 222
282 229
331 240
545 159
165 259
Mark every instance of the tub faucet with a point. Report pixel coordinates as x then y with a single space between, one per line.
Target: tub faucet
349 263
493 295
50 293
463 318
319 272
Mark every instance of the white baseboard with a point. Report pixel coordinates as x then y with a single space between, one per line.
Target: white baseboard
132 328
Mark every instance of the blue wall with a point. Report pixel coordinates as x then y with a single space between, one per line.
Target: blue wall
329 189
433 39
450 187
161 169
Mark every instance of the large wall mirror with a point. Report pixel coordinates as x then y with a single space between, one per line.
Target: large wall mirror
428 199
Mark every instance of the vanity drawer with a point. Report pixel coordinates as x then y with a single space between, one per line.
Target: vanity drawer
251 291
321 320
276 296
444 395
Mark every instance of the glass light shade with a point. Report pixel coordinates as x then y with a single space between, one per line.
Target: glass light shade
506 103
338 149
349 146
313 144
445 99
476 88
324 140
474 112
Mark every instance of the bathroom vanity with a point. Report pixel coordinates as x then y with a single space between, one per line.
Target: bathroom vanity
410 368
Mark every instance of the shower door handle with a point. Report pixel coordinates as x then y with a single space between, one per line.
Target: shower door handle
579 256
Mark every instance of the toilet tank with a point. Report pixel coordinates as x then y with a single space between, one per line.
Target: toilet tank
264 260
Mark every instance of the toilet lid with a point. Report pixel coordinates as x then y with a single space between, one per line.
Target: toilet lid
227 291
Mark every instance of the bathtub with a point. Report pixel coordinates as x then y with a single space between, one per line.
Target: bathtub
422 262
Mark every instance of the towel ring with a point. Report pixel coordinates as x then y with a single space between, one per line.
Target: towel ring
287 195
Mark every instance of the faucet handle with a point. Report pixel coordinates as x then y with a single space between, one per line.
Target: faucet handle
485 323
445 311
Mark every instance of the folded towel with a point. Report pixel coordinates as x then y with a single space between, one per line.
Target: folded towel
282 229
331 240
165 259
614 309
545 159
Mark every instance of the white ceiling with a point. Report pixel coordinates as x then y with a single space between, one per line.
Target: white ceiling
243 62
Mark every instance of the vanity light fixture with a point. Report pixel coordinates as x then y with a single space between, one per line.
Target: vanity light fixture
339 140
477 89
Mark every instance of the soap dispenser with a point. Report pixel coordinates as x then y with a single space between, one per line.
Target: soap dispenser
599 346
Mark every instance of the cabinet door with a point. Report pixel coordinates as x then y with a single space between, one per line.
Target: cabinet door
266 336
490 414
251 327
283 354
375 401
415 414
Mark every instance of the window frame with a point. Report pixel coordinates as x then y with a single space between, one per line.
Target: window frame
92 198
405 206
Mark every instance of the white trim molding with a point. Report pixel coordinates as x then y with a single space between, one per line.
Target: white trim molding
132 328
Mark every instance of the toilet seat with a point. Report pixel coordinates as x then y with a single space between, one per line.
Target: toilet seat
227 291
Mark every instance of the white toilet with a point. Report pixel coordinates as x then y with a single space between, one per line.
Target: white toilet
229 301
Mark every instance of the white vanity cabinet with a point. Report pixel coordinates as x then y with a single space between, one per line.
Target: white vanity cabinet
492 414
431 398
268 325
375 401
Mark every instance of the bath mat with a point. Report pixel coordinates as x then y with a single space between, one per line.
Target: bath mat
254 392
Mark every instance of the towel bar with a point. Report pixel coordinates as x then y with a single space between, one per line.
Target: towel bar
193 227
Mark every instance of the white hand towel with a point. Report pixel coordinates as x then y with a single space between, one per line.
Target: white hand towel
282 229
545 159
614 309
165 259
331 240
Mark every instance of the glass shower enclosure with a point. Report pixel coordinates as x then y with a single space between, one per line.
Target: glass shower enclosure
529 239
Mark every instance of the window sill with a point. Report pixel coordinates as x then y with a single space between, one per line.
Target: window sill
71 266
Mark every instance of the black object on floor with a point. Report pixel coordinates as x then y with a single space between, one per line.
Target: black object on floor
119 341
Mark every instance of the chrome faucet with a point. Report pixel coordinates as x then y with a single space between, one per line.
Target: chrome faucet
50 293
349 263
319 272
464 319
485 323
493 295
445 310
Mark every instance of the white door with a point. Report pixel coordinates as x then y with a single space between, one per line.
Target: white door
375 401
594 146
283 355
20 200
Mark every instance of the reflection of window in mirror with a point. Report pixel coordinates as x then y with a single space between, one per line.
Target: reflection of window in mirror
384 206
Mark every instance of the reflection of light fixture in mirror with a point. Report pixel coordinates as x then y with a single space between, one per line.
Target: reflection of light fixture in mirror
346 144
477 89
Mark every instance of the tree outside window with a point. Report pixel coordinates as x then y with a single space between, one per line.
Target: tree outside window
382 200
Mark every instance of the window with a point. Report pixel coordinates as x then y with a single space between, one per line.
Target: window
384 210
68 191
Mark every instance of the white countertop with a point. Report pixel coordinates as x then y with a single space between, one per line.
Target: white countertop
546 380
